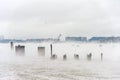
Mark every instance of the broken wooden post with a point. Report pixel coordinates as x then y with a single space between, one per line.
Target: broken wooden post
76 56
101 56
64 57
51 49
20 50
54 56
89 56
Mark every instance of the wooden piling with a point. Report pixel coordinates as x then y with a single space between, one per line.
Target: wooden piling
76 56
11 45
64 57
51 48
20 50
54 56
89 56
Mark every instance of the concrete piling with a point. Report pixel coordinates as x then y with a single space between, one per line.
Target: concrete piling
51 49
89 56
41 51
64 57
76 56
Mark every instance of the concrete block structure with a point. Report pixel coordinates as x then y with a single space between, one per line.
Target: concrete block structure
41 51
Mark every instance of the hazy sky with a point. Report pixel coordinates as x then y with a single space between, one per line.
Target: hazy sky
48 18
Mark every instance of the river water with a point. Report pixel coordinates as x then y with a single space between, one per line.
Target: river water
34 67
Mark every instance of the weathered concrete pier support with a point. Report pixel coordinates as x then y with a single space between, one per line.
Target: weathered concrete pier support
54 56
64 57
76 56
20 50
89 56
41 51
51 49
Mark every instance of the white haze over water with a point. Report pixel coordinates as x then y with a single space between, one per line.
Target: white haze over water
34 67
21 19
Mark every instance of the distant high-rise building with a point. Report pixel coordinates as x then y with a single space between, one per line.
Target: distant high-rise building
105 39
83 39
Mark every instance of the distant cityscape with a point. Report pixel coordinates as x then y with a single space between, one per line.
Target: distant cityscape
94 39
67 39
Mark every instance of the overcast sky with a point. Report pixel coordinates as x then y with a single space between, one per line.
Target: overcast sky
49 18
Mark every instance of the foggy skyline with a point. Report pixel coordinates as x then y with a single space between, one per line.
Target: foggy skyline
49 18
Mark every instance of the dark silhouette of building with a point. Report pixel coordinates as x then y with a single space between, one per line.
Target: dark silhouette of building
83 39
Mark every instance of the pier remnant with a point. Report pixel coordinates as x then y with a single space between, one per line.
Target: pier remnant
101 56
11 45
51 48
41 51
64 57
20 50
54 56
89 56
76 56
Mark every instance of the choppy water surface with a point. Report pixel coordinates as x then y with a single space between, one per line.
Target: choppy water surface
33 67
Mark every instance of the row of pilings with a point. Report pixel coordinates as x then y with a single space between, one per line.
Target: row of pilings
20 51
